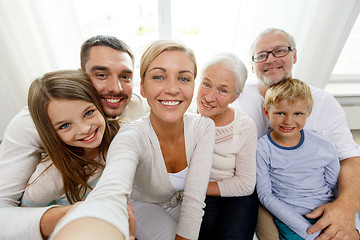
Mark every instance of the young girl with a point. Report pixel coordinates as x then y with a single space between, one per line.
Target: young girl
163 158
69 118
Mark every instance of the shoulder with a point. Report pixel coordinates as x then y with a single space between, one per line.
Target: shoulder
244 124
244 119
138 126
22 129
136 108
317 137
198 121
321 96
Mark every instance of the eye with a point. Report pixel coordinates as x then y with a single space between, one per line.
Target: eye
206 84
101 76
125 78
223 90
158 77
184 79
89 113
64 126
298 114
280 113
260 56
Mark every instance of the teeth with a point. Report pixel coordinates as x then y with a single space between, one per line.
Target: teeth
170 103
208 106
112 100
90 137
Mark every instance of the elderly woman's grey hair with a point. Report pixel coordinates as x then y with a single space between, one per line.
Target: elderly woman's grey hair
231 62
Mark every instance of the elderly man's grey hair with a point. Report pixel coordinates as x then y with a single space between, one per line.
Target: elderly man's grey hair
290 39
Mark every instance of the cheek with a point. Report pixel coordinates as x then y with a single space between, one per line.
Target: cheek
99 86
65 137
128 88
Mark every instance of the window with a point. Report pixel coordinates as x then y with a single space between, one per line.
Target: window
345 79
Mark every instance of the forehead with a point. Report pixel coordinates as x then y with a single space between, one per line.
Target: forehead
173 59
61 109
219 74
298 105
108 58
270 41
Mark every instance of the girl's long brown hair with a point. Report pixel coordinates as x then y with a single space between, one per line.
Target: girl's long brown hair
75 169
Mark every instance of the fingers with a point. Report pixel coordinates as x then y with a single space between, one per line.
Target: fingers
321 224
318 212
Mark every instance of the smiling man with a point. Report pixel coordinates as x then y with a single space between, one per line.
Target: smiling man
273 54
109 63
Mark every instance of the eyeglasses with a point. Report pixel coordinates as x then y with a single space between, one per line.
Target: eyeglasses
277 52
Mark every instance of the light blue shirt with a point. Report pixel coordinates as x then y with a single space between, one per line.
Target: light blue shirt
292 182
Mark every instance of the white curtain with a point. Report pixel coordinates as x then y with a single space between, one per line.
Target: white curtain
320 28
36 36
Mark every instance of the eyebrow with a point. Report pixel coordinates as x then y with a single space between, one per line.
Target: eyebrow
277 46
164 70
103 68
221 85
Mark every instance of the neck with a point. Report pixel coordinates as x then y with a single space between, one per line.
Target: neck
286 142
262 88
90 153
167 131
224 118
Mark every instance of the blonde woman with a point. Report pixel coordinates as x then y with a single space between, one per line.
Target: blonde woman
163 158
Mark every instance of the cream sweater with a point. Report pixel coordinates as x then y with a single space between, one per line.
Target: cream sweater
234 164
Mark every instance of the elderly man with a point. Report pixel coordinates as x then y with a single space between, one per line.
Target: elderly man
109 62
273 55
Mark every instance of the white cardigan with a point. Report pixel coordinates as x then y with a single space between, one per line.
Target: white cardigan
135 159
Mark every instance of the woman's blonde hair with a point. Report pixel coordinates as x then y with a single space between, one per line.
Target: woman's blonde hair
291 90
70 85
159 46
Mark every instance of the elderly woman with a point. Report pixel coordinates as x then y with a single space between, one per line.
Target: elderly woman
231 204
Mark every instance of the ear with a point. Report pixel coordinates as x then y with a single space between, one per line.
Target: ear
309 113
266 112
235 97
252 67
142 91
295 56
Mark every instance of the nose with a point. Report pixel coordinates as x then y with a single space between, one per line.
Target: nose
270 58
114 85
172 87
210 96
287 120
84 128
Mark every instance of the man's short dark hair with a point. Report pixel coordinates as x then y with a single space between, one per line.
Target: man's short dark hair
103 40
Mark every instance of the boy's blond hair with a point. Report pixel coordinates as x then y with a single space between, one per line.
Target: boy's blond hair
291 90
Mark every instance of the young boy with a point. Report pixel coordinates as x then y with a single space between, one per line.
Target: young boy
297 170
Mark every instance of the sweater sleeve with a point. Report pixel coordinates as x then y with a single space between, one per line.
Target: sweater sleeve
283 211
197 179
20 153
244 179
107 201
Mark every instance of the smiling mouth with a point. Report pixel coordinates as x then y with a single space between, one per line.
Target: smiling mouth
170 103
112 100
91 136
272 69
287 128
207 106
